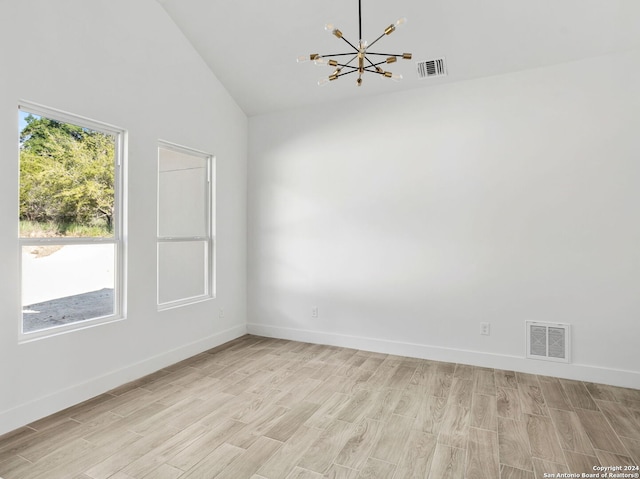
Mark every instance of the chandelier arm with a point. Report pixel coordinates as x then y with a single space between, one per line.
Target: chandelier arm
371 63
348 63
336 55
351 67
350 44
386 54
347 73
371 44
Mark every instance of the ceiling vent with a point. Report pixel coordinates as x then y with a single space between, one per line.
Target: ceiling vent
548 341
432 68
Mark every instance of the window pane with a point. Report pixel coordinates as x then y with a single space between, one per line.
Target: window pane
182 270
67 178
182 195
64 284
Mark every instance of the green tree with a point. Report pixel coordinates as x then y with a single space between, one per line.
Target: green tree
66 173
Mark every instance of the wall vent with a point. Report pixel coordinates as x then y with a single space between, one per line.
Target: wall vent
432 68
548 341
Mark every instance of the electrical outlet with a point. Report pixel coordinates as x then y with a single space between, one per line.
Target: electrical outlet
221 313
485 329
314 312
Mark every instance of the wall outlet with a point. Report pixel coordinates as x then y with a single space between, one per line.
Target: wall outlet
485 329
314 312
221 313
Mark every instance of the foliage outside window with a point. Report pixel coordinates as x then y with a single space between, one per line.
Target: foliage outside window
70 224
185 226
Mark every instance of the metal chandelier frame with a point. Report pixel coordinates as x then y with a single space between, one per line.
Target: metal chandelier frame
360 55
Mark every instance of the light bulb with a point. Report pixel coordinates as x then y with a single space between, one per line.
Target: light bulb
323 81
320 61
329 27
302 58
401 21
397 77
364 44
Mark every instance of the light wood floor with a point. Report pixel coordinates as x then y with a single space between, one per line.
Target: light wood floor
264 408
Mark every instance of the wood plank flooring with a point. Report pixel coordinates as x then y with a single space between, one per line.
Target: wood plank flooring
260 408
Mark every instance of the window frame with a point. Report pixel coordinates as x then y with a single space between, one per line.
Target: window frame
118 223
209 238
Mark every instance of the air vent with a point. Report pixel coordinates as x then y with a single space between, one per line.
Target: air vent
548 341
432 68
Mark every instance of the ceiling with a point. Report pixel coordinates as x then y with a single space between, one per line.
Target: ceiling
252 45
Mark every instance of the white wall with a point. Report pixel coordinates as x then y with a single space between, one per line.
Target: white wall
127 64
409 219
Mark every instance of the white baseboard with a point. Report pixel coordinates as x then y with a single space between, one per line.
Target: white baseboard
32 411
580 372
26 413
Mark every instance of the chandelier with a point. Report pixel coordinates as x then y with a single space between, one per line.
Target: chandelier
362 60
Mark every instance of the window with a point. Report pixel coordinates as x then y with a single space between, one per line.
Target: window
70 232
185 226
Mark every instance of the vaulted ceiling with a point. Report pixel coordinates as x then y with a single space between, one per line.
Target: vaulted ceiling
252 45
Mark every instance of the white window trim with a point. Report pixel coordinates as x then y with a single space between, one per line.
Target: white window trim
120 136
210 239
